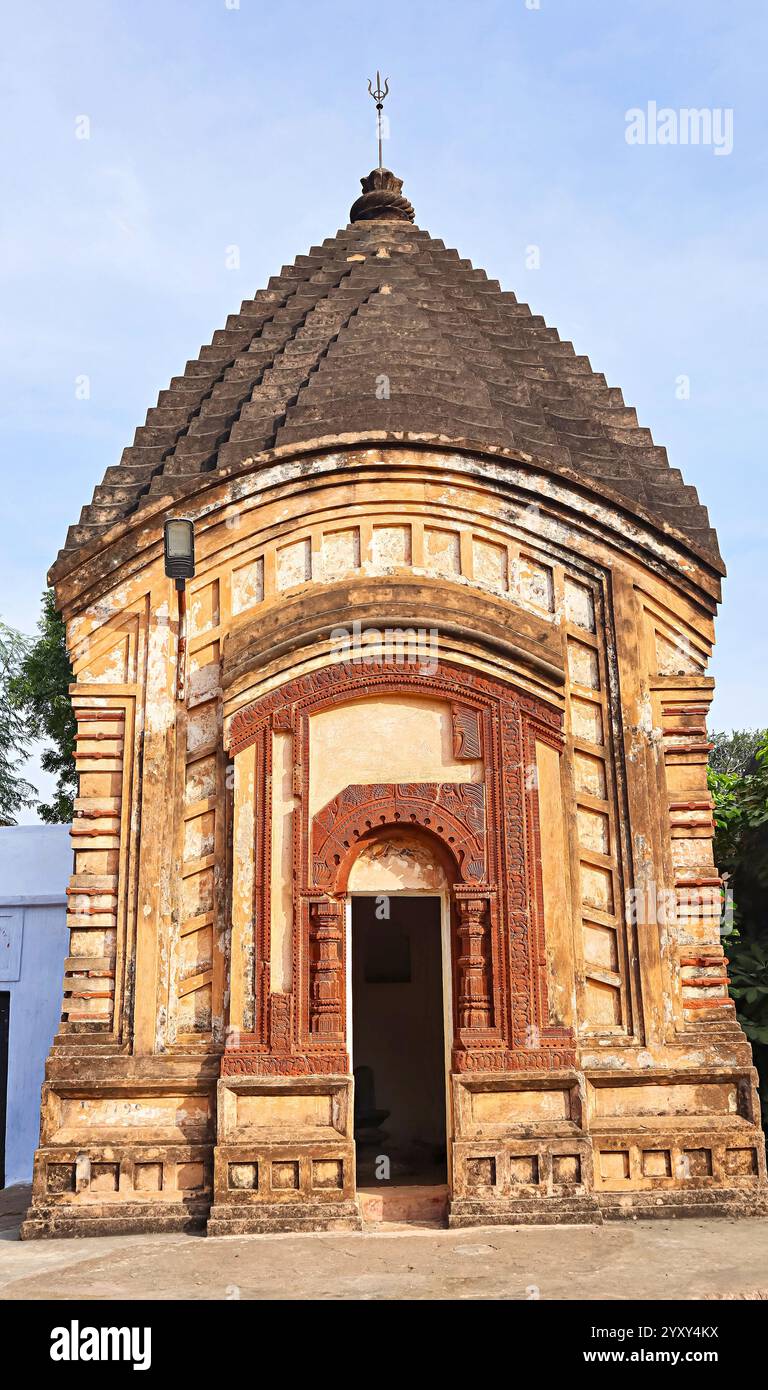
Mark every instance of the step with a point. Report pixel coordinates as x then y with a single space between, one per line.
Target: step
406 1203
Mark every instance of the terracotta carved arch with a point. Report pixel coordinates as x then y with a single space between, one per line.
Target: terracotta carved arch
454 812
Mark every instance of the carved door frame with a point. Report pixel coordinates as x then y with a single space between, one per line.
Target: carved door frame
490 830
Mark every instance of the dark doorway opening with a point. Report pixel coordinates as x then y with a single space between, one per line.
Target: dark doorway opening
5 1014
398 1043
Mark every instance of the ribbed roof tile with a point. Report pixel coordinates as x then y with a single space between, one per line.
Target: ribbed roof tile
466 361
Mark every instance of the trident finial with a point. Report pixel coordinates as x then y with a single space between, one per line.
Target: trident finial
378 96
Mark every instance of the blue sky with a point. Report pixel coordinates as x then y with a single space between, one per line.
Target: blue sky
213 125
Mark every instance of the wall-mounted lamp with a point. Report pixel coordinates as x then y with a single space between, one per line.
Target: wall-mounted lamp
179 551
179 543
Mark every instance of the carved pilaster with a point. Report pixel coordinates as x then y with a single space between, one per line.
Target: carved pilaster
700 979
94 889
326 957
473 964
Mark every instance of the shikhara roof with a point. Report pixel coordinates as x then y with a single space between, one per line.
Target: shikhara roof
383 331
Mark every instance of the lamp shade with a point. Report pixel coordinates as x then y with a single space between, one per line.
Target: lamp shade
179 537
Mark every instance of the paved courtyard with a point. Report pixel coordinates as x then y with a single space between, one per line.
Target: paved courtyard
647 1260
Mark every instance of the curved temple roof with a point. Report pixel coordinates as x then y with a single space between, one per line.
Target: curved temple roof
382 331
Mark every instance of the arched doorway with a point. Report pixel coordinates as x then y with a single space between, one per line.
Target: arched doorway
399 1015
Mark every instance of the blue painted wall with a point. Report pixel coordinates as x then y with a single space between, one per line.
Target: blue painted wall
35 865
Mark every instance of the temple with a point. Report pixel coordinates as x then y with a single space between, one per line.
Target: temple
393 844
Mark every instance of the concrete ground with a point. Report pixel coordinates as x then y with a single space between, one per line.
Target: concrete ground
691 1259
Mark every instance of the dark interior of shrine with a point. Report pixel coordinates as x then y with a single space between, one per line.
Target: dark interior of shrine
398 1041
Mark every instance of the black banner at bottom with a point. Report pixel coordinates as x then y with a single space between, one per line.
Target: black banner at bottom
213 1337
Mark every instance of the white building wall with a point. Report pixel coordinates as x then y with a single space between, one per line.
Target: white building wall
35 865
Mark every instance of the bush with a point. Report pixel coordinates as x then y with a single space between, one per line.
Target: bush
741 853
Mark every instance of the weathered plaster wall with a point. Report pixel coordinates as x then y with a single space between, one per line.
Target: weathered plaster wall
385 739
421 514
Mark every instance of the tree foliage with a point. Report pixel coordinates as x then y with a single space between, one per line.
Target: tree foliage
741 852
39 692
15 791
734 752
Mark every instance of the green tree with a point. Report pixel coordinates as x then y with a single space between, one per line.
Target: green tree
39 692
734 752
15 791
741 852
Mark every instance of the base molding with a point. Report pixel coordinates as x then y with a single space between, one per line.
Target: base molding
228 1219
734 1202
134 1150
116 1219
549 1211
260 1219
598 1208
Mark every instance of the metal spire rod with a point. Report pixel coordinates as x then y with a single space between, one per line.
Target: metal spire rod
378 96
